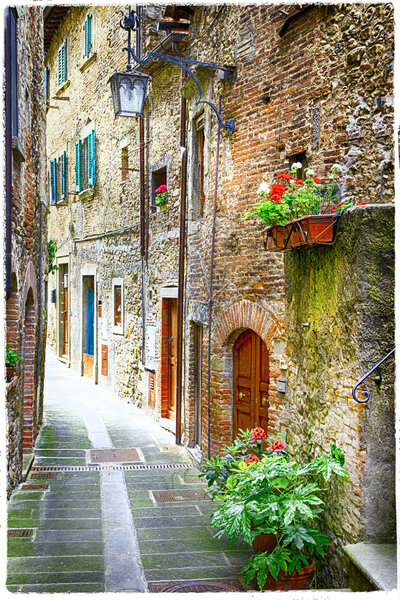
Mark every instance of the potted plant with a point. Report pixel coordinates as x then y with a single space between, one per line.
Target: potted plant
266 493
299 212
11 359
161 197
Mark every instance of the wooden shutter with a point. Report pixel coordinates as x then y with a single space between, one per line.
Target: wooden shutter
46 85
152 390
78 166
104 360
53 180
62 63
63 174
88 35
91 159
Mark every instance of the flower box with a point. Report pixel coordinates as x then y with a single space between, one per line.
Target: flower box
311 230
274 238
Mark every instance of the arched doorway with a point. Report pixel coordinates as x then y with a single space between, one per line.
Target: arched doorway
250 383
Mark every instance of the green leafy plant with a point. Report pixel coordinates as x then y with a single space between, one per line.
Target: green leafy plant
52 249
12 358
290 198
267 493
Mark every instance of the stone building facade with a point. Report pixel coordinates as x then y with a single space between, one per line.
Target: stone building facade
26 231
314 84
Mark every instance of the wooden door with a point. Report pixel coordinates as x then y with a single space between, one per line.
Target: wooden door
172 333
65 307
251 383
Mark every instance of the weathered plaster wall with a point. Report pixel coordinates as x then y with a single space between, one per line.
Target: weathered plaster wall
340 323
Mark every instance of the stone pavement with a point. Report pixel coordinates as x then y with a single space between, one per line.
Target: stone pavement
130 522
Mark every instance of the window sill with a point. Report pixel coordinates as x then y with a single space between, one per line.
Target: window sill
62 87
17 149
88 62
118 330
62 202
88 193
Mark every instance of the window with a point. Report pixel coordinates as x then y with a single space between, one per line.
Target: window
299 158
124 164
118 305
88 36
47 85
199 161
158 178
62 64
58 178
85 162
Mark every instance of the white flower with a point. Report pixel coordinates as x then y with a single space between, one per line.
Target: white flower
310 172
264 187
297 165
336 168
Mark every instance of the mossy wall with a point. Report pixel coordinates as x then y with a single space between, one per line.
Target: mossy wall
340 323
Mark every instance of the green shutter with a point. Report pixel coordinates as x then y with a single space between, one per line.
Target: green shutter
53 181
88 35
63 174
91 159
78 166
62 63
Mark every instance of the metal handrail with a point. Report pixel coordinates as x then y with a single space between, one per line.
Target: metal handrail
378 379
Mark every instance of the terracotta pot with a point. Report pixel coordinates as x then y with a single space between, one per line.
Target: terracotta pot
294 234
295 581
274 239
265 542
319 228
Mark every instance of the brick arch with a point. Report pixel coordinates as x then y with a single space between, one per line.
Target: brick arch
28 356
29 283
247 315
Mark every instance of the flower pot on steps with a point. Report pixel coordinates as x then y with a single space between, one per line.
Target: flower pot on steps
295 581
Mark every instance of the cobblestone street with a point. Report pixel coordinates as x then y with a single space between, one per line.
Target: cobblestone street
97 521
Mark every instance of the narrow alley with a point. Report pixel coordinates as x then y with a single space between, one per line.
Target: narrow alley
111 504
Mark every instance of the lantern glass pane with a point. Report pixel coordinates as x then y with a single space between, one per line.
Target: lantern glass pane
132 92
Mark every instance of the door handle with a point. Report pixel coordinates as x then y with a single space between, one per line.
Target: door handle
264 400
242 395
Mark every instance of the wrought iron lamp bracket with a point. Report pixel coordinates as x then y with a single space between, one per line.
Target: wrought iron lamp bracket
377 379
131 23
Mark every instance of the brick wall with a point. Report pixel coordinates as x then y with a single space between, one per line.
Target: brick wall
24 306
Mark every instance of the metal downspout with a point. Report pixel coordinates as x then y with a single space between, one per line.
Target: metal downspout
181 270
211 292
8 124
141 182
40 293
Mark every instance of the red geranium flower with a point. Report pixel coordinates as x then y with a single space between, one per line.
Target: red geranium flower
252 459
161 189
299 182
316 180
277 445
258 433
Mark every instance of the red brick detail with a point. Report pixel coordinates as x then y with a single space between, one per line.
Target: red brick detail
29 372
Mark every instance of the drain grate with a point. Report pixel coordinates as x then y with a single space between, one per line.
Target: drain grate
35 486
178 495
59 469
45 475
196 586
114 455
20 533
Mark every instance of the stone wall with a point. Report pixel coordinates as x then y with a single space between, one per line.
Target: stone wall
340 323
25 318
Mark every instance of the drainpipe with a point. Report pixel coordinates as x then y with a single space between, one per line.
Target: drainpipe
8 102
181 269
141 182
40 293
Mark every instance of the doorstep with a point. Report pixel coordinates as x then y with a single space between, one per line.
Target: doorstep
168 424
376 562
27 460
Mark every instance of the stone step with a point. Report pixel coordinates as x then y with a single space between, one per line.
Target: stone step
373 566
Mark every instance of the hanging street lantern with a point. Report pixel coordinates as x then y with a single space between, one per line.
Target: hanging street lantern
128 89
